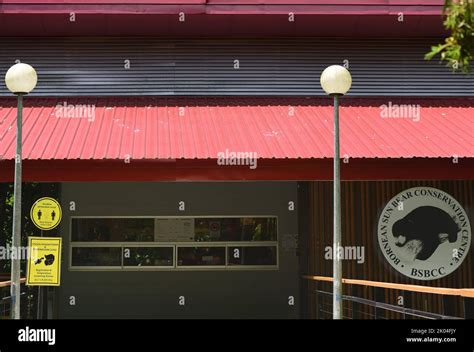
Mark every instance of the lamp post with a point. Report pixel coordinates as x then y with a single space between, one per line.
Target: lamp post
336 81
20 79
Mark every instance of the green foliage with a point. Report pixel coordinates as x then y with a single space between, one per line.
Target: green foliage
257 233
457 50
31 192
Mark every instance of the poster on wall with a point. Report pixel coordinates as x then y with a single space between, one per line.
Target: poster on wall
424 233
174 230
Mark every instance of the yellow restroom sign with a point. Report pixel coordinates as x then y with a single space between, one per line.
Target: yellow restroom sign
46 213
44 263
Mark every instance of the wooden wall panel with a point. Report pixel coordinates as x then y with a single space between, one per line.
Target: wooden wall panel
362 203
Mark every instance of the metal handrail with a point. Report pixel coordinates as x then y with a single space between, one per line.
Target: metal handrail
5 301
8 283
393 308
465 294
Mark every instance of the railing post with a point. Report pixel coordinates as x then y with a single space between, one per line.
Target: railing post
356 291
379 313
449 303
50 302
352 302
39 304
375 300
404 306
468 308
316 287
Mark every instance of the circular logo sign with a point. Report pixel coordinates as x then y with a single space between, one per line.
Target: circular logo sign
424 233
46 213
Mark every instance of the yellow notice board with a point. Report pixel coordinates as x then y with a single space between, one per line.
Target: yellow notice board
46 213
44 263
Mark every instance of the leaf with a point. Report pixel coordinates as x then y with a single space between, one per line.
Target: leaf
457 50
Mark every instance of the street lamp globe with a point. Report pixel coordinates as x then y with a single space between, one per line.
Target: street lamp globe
336 79
21 78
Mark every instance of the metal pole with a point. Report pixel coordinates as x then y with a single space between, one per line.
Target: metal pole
39 308
16 240
337 265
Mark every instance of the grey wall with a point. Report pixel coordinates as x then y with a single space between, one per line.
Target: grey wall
154 294
203 66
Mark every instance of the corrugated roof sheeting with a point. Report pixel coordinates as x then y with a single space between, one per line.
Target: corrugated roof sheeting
200 128
97 66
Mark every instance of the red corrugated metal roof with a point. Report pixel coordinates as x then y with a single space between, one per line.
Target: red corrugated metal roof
200 128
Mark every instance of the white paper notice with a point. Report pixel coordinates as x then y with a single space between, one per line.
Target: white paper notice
174 230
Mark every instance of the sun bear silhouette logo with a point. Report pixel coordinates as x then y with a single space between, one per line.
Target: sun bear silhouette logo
48 259
424 229
424 233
